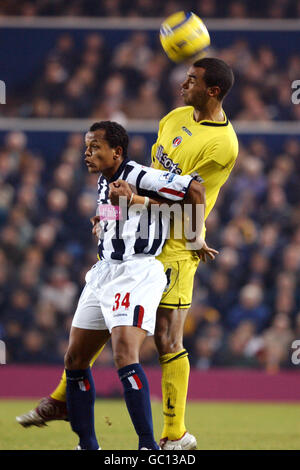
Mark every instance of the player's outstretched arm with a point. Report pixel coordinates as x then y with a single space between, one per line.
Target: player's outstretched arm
122 188
195 197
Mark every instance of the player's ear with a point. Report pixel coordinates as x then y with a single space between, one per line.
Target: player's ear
214 91
118 152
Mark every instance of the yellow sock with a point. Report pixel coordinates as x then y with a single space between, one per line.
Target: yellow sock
175 378
61 390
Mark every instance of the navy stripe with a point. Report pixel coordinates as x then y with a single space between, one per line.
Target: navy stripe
176 305
119 170
157 236
136 315
118 243
214 124
178 356
101 244
138 181
127 170
102 182
149 193
103 201
141 243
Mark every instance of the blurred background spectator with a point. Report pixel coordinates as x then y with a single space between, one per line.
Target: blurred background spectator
128 76
146 8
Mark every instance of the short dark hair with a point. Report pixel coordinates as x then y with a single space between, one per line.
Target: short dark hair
115 134
217 73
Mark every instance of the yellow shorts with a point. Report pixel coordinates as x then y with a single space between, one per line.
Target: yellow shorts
179 289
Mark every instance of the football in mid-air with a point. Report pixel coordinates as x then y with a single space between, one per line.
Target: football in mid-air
184 36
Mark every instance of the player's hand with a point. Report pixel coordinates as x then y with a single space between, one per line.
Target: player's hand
117 189
206 253
95 221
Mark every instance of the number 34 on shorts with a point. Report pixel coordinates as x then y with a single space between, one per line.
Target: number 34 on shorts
125 302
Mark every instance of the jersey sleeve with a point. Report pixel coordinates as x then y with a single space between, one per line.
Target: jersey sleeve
153 183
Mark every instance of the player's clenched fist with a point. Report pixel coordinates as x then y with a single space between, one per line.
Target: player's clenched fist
117 189
95 221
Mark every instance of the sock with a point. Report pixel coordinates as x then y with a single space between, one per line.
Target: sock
175 378
137 398
60 393
80 404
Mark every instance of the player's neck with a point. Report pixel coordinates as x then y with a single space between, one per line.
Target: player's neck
111 172
211 112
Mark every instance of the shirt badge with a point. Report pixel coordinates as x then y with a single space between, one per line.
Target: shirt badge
177 141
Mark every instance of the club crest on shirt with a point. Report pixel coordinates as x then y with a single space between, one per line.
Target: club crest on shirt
177 141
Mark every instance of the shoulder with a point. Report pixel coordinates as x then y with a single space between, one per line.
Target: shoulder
136 166
222 147
224 136
176 113
231 132
136 171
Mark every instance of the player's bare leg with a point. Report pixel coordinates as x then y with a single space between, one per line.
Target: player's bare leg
126 344
83 345
175 375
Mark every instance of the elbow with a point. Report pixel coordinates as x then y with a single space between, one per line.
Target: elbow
196 193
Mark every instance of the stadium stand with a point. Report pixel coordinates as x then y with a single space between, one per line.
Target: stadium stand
246 308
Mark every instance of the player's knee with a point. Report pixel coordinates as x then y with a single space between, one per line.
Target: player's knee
124 355
167 344
160 341
73 361
121 359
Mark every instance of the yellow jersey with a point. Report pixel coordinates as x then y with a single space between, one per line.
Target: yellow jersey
204 149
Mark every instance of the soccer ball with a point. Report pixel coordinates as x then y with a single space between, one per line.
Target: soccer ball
184 36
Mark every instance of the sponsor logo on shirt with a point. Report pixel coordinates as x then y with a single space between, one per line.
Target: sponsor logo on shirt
166 162
109 212
185 129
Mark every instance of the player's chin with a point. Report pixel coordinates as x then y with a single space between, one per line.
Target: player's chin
186 100
92 169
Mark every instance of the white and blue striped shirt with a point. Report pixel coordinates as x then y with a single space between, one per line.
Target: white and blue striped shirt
137 231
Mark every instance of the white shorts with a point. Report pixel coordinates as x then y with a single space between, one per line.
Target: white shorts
121 293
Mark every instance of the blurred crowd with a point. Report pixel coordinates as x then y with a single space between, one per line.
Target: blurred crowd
147 8
246 306
136 80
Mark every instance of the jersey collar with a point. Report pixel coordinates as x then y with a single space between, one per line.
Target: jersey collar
119 170
206 122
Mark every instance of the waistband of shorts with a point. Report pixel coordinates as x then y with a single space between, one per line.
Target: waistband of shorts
140 256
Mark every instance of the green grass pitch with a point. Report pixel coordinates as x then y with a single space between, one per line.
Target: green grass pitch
237 426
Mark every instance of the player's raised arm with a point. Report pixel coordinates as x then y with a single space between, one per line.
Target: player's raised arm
193 200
